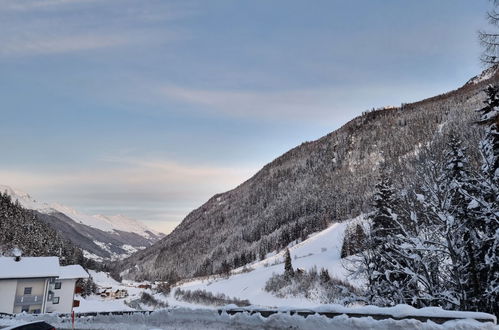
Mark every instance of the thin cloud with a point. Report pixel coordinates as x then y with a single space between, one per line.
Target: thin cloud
337 103
57 44
133 172
255 103
26 5
66 26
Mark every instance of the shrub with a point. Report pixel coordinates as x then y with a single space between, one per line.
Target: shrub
148 299
164 288
207 298
311 285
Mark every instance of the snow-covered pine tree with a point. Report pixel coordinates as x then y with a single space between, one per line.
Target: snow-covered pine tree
488 202
384 265
353 240
463 239
454 242
288 267
421 250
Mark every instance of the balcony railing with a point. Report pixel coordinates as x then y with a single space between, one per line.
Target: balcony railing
28 300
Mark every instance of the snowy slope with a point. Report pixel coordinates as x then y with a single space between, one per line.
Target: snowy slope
104 223
322 249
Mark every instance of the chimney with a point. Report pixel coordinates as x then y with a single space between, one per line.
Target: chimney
17 254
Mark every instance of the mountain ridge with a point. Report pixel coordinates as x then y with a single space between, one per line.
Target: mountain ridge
100 237
310 186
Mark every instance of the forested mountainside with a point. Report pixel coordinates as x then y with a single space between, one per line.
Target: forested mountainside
312 185
100 237
23 229
96 244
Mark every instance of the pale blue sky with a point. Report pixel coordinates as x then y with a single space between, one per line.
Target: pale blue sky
147 108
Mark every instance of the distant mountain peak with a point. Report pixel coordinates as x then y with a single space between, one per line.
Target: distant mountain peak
106 223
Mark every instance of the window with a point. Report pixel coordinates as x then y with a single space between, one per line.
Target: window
50 296
25 309
27 290
55 300
57 285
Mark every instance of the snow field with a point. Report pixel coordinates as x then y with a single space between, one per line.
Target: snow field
322 249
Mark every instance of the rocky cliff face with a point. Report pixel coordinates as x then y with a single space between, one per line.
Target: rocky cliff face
316 183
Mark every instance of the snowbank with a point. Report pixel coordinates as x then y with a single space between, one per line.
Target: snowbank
183 318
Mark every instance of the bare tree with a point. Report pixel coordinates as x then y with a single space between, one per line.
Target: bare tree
490 39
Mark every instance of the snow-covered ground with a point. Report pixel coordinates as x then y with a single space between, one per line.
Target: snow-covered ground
322 249
182 318
95 303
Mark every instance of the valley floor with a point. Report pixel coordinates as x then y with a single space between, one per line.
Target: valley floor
319 250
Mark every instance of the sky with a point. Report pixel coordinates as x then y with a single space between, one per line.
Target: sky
147 108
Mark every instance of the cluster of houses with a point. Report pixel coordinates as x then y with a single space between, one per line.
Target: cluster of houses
38 285
109 292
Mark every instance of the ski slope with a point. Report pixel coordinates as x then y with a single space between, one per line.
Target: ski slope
322 249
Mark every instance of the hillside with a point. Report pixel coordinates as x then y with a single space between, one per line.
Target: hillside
21 228
311 186
321 250
100 237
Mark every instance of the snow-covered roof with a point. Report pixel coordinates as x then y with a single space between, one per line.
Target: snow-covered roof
29 267
72 271
35 267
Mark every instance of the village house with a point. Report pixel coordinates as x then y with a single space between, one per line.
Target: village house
37 285
109 292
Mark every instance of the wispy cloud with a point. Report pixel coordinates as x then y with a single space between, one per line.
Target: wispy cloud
37 45
133 173
25 5
339 103
41 27
257 103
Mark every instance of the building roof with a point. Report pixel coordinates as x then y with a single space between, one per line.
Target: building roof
36 267
72 271
29 267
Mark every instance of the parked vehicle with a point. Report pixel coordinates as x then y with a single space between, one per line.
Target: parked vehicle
38 325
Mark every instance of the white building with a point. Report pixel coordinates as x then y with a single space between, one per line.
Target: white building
37 285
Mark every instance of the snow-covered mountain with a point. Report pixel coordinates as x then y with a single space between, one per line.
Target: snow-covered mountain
313 185
100 237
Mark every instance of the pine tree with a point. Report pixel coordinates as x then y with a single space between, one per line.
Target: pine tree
463 241
353 240
288 267
489 117
324 276
488 218
384 265
453 242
